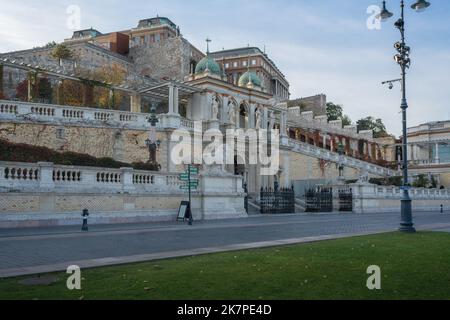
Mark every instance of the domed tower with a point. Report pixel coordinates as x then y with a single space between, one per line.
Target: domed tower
250 80
208 66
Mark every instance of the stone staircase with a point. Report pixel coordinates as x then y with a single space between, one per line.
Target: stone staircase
327 155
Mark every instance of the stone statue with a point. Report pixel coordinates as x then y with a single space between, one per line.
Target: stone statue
232 112
272 121
258 118
215 108
363 177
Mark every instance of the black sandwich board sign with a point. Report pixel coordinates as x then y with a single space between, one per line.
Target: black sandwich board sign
184 212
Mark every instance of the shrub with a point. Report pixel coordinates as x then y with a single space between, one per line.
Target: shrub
20 152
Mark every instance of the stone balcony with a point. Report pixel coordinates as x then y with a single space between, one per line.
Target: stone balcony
47 113
43 177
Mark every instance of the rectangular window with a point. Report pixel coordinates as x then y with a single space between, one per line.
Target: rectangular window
244 63
235 64
253 62
227 65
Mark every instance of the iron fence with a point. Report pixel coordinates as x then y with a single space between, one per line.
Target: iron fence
277 201
319 199
345 200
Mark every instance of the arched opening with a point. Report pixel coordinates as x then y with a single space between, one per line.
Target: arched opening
243 116
219 105
192 66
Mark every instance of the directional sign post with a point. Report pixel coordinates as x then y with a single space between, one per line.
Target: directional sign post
189 184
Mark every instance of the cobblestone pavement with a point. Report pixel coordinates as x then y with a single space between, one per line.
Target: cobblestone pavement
25 249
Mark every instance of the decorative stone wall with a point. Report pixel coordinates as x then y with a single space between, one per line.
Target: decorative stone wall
28 210
120 144
303 167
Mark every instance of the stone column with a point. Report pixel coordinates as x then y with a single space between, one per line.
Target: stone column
136 103
127 180
32 85
366 149
171 96
176 102
112 101
265 118
437 158
283 124
171 167
46 176
287 183
348 147
251 117
60 92
224 110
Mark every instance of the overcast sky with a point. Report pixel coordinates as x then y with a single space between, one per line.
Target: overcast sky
322 46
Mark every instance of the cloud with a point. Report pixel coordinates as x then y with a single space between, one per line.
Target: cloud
321 46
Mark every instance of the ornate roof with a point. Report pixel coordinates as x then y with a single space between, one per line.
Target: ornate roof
208 63
250 77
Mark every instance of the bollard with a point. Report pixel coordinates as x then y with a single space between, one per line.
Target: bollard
85 216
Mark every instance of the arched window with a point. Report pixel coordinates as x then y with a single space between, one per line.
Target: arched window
243 116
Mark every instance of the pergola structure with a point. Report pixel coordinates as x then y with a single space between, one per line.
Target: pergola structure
170 91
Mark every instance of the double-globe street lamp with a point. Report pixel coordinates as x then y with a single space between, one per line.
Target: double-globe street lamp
402 58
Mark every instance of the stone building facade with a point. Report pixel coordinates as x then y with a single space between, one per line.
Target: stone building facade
236 62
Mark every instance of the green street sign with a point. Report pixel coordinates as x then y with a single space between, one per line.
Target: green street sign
193 183
193 170
184 177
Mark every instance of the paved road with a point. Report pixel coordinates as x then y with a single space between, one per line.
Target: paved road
25 251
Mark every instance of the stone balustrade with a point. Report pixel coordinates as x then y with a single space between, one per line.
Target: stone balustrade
22 111
369 198
313 151
307 120
47 177
365 190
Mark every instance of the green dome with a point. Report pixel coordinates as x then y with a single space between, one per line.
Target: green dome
210 64
249 76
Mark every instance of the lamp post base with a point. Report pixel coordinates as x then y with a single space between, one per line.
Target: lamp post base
406 225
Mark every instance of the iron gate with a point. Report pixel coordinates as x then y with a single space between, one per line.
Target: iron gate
277 202
346 200
319 199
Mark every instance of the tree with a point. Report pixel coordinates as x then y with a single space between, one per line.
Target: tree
336 112
370 123
61 52
22 90
115 75
50 45
421 182
45 90
346 121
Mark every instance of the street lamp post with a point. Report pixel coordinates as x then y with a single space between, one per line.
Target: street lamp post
402 58
341 152
152 143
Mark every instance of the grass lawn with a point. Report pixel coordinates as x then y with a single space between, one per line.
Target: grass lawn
414 266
